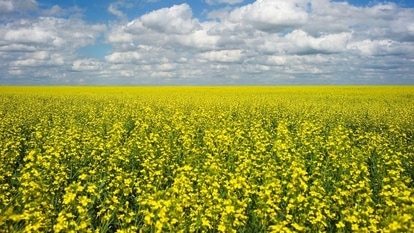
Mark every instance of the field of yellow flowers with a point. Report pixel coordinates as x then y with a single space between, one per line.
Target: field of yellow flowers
207 159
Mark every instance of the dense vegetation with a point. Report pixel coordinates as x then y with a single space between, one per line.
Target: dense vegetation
206 159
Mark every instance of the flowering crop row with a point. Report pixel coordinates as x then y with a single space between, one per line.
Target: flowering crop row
206 159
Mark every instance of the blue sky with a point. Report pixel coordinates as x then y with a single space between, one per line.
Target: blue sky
206 42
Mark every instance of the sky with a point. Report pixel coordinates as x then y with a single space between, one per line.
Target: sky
206 42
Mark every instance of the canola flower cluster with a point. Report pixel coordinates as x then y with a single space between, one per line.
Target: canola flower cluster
206 159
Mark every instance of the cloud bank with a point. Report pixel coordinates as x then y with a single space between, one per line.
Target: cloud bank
264 42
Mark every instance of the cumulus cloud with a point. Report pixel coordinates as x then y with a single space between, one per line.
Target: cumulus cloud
370 47
124 57
176 19
271 15
87 65
29 35
57 11
266 42
172 27
225 56
301 42
267 39
39 58
50 32
113 9
17 48
44 46
8 6
200 40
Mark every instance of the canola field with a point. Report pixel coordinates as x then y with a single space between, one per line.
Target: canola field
207 159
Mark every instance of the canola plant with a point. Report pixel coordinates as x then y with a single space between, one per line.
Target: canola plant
207 159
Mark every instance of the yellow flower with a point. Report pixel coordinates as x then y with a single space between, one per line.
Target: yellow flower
229 209
68 198
340 224
205 222
148 218
298 227
84 200
222 227
91 189
83 177
82 226
394 226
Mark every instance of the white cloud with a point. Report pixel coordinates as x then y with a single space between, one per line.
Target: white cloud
174 27
8 6
119 35
223 56
267 41
276 60
29 35
176 20
87 65
271 15
166 67
54 11
15 72
382 10
25 4
50 32
39 59
113 9
200 39
18 48
302 43
381 48
162 74
124 57
117 7
127 73
45 46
